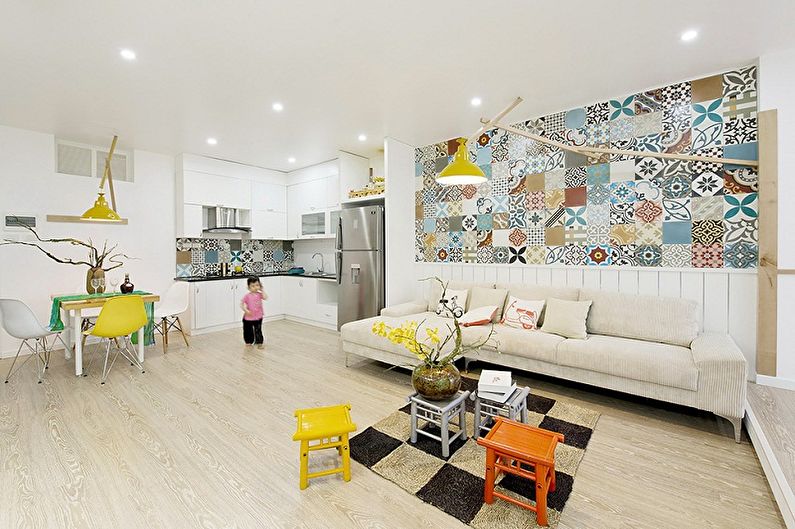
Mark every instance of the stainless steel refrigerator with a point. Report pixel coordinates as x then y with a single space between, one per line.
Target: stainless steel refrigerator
360 263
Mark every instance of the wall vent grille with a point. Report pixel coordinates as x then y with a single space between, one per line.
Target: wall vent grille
88 160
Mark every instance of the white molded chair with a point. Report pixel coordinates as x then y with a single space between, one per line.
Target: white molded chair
19 321
174 303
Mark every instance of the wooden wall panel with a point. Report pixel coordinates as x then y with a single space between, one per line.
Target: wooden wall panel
767 280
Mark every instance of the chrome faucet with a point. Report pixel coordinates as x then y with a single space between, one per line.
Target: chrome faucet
322 266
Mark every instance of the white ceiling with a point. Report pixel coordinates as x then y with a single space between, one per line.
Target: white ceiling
405 69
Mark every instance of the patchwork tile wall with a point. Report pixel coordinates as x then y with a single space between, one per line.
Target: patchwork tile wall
542 205
198 257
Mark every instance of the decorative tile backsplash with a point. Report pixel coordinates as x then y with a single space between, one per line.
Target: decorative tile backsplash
198 257
542 205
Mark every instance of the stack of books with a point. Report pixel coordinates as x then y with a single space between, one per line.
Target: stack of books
497 386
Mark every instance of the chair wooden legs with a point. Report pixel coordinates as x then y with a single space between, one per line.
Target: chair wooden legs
165 325
182 332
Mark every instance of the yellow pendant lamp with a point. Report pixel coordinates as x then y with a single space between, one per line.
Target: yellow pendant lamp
100 211
461 171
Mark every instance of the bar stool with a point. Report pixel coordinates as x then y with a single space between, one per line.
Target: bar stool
329 426
524 451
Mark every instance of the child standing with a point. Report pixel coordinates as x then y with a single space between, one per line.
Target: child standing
253 313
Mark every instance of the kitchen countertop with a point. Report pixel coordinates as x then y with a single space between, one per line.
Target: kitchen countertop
196 279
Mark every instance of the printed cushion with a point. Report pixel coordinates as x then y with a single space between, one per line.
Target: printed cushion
479 316
453 304
522 314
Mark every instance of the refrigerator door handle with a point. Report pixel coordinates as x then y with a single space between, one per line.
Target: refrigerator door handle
338 256
339 234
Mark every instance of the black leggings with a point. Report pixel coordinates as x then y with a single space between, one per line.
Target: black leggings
252 331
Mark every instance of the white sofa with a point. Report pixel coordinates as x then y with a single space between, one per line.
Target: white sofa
642 345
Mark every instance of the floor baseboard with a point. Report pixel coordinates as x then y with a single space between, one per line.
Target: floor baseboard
776 382
785 498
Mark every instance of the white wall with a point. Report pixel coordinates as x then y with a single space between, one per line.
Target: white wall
776 82
304 249
29 185
399 205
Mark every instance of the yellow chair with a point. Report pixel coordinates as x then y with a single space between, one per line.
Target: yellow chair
329 426
120 317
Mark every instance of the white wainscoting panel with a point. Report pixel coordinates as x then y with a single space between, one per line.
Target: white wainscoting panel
726 298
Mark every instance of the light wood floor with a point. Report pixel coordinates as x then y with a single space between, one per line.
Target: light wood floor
203 439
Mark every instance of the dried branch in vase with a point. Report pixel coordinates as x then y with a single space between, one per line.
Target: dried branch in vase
96 259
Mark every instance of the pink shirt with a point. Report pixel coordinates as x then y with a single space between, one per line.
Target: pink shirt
253 302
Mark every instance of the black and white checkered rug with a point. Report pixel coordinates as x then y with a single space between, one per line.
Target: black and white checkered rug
455 485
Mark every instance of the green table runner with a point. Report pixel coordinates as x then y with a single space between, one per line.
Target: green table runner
56 324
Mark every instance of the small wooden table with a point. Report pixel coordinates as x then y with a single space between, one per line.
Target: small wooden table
442 413
515 408
74 322
524 451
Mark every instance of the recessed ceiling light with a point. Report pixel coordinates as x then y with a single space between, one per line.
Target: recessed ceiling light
290 160
475 102
689 35
362 137
278 107
127 54
212 141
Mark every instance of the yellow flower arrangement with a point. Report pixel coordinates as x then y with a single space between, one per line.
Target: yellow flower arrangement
428 350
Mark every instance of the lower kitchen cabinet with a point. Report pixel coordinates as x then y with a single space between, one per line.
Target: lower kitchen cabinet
216 304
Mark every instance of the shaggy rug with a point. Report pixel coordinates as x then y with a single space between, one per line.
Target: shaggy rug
455 484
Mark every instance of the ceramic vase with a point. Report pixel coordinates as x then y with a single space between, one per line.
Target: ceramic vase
95 273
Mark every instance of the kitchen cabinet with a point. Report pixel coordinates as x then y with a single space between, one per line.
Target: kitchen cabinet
217 303
333 191
211 190
269 225
309 197
269 197
190 224
214 303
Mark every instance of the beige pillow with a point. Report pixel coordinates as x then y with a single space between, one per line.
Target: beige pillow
566 318
485 297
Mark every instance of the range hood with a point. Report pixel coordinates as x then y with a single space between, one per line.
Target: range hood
218 219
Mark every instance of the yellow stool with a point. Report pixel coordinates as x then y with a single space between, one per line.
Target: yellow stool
324 425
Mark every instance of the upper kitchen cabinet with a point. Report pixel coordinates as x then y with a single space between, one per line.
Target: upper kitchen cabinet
269 197
216 190
354 174
260 194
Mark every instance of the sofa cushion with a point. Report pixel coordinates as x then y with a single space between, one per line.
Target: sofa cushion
544 292
481 297
537 345
567 318
434 291
666 320
667 365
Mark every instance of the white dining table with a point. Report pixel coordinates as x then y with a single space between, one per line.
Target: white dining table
73 326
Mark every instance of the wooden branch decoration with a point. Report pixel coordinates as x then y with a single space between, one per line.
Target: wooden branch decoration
96 259
587 150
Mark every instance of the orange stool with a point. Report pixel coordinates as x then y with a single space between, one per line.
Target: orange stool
524 451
